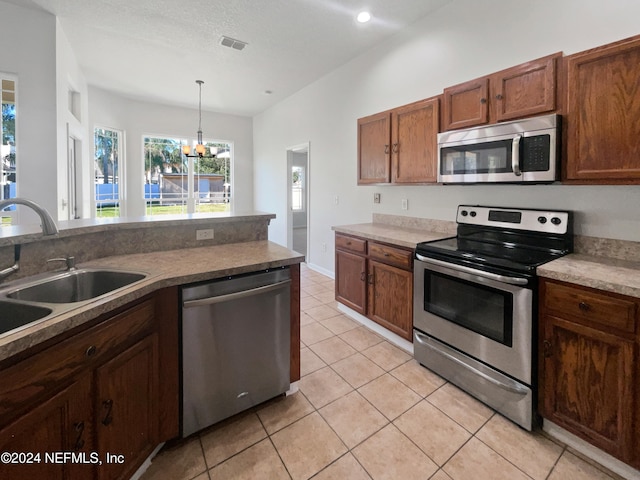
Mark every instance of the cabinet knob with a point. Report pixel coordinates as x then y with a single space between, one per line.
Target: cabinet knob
91 351
499 96
370 278
547 348
349 243
483 100
585 307
386 148
108 405
362 276
395 148
79 428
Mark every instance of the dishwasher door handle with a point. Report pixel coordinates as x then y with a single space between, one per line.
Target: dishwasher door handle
234 296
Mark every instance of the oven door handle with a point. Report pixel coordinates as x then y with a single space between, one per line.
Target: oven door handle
473 271
424 340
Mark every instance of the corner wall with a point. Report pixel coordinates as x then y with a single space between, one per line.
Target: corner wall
463 40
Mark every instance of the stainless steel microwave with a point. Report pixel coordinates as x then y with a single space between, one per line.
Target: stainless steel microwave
521 151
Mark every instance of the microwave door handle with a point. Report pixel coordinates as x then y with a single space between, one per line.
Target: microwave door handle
473 271
515 155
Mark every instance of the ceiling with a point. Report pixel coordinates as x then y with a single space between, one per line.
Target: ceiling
155 49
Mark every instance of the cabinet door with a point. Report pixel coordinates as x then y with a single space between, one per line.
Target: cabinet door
525 90
391 298
588 383
466 105
374 150
60 424
351 287
126 408
414 142
603 108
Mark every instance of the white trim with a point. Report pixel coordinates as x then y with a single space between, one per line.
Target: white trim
324 271
147 463
590 451
379 329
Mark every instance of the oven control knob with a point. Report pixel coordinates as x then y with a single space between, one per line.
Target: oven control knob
464 213
473 214
556 221
542 220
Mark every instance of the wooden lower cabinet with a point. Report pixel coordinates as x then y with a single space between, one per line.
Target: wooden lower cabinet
61 423
102 394
127 408
590 370
376 280
391 298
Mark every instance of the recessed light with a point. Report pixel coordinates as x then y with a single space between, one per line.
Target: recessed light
363 17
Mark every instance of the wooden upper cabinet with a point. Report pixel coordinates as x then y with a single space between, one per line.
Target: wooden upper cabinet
466 104
374 149
525 90
603 114
521 91
414 143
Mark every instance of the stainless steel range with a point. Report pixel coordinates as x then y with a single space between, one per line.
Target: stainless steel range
475 302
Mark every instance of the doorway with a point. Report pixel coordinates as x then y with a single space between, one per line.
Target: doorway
72 177
298 198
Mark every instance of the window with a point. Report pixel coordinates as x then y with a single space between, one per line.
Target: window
168 174
297 189
107 166
8 146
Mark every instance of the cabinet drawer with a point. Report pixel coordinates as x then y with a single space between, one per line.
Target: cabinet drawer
352 244
594 307
391 255
43 373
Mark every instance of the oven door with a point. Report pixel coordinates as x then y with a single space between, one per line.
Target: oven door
484 315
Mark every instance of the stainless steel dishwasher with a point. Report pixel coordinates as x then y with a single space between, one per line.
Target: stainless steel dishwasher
235 345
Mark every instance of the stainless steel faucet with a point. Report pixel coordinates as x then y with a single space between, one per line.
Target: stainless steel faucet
48 228
48 225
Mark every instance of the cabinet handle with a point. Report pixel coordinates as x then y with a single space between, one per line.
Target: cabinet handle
108 404
483 100
349 243
548 349
386 148
585 307
370 278
499 96
79 428
362 276
91 351
385 254
395 148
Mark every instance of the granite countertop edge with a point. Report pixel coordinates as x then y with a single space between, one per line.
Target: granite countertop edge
166 269
396 235
602 273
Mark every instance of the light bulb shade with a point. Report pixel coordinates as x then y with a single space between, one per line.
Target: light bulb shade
213 150
200 149
186 149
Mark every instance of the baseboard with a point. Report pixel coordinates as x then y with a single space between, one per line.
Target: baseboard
397 340
147 463
321 270
589 451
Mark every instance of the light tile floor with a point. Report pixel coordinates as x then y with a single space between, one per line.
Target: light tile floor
366 410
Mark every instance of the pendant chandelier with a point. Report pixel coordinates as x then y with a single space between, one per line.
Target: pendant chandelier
201 150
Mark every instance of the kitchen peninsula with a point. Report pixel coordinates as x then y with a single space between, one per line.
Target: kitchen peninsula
111 365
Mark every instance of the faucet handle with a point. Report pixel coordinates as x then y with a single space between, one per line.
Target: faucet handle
70 262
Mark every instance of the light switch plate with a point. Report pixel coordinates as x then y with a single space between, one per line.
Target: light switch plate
405 204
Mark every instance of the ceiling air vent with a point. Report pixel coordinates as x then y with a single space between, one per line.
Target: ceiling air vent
232 42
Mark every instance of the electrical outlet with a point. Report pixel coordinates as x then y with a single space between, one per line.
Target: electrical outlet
376 198
206 234
336 199
405 204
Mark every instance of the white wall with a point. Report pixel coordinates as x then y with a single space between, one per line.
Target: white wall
463 40
70 77
27 49
138 119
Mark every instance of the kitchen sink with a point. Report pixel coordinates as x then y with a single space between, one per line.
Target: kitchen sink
16 315
74 286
